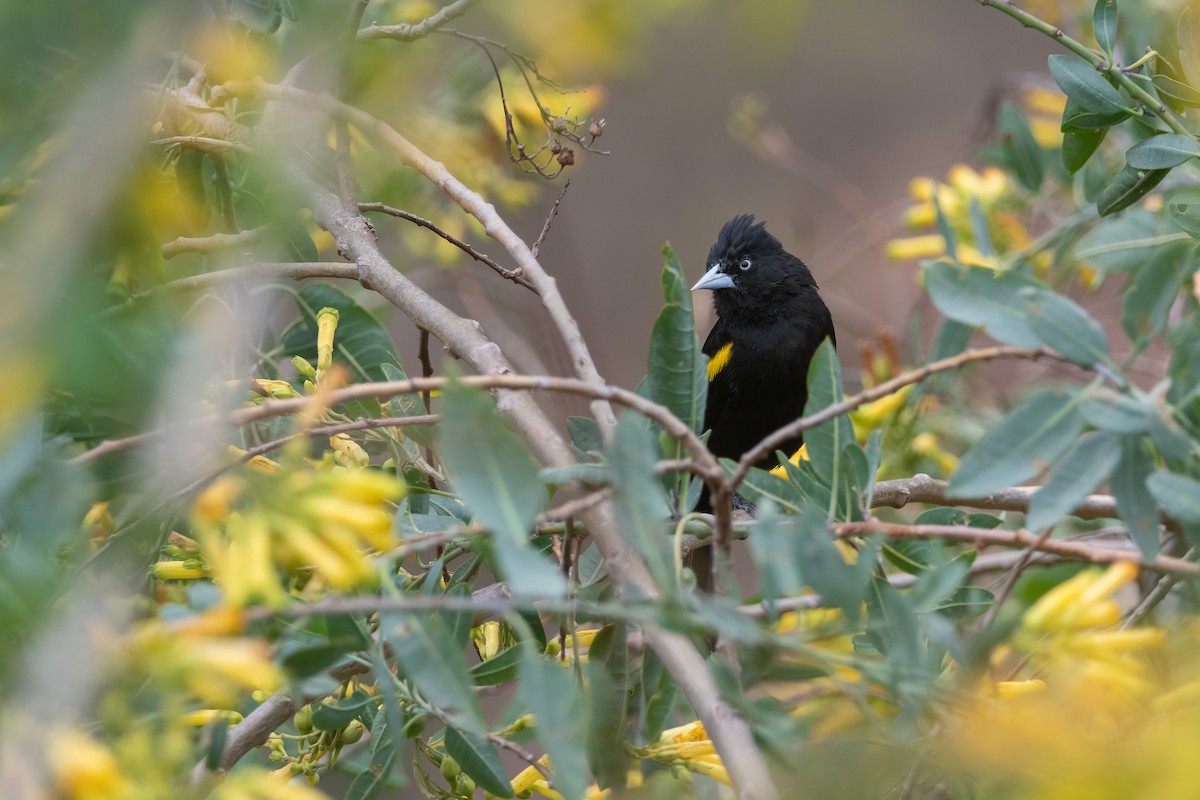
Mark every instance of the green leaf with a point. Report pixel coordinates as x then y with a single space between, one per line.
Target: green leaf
585 435
1075 116
938 583
980 296
408 405
1176 90
660 691
761 487
1163 151
1021 151
368 784
1033 434
480 760
1116 412
1087 87
638 497
823 568
1138 509
774 555
548 690
677 375
611 694
500 668
424 647
1104 25
1178 494
1078 144
332 716
1062 324
1121 244
1151 292
497 478
361 342
1187 217
1130 185
825 442
1073 477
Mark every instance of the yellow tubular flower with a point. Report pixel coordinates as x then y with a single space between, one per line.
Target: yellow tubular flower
327 320
276 389
176 571
916 247
1010 690
260 464
214 502
202 717
84 769
369 486
715 771
527 777
370 522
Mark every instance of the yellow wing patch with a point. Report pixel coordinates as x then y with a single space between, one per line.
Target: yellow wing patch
797 457
719 360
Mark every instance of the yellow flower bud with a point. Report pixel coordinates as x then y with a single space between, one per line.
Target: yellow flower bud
916 247
303 368
327 320
921 188
1009 690
202 717
176 570
347 452
276 389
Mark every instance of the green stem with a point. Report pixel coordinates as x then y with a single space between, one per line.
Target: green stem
1092 57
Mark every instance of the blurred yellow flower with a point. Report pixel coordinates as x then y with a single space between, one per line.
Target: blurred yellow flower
84 769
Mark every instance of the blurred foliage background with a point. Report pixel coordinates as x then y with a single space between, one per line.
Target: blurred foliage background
206 593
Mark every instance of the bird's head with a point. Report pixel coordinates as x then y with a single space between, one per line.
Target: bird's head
750 272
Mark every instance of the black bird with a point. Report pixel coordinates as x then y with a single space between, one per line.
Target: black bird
770 322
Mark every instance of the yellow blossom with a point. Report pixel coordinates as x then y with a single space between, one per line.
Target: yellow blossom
84 769
327 321
177 570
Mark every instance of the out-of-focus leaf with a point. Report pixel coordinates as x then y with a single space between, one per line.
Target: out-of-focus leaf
1116 412
1062 324
1187 217
331 716
1180 92
1022 153
1082 83
760 486
1153 289
1139 511
479 759
1123 243
1164 151
549 692
660 694
585 435
1129 186
361 342
980 296
497 477
823 568
424 647
774 555
1178 494
638 497
611 688
1073 477
408 405
1033 434
1187 35
936 584
1078 144
1104 24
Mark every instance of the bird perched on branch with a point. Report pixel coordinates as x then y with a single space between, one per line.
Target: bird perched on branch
770 322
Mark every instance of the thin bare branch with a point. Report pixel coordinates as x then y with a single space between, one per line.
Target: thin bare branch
205 144
537 245
513 275
417 30
981 537
771 442
213 243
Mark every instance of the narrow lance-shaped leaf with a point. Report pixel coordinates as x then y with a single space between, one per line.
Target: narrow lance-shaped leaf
480 760
424 647
1123 243
638 496
1139 511
549 692
1073 477
1130 185
1104 24
825 442
1078 145
1021 151
1033 434
497 477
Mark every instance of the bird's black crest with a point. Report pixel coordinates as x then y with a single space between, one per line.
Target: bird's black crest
743 234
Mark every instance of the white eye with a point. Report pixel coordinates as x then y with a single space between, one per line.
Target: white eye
745 264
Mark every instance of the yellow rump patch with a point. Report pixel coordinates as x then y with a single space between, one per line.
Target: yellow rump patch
719 360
